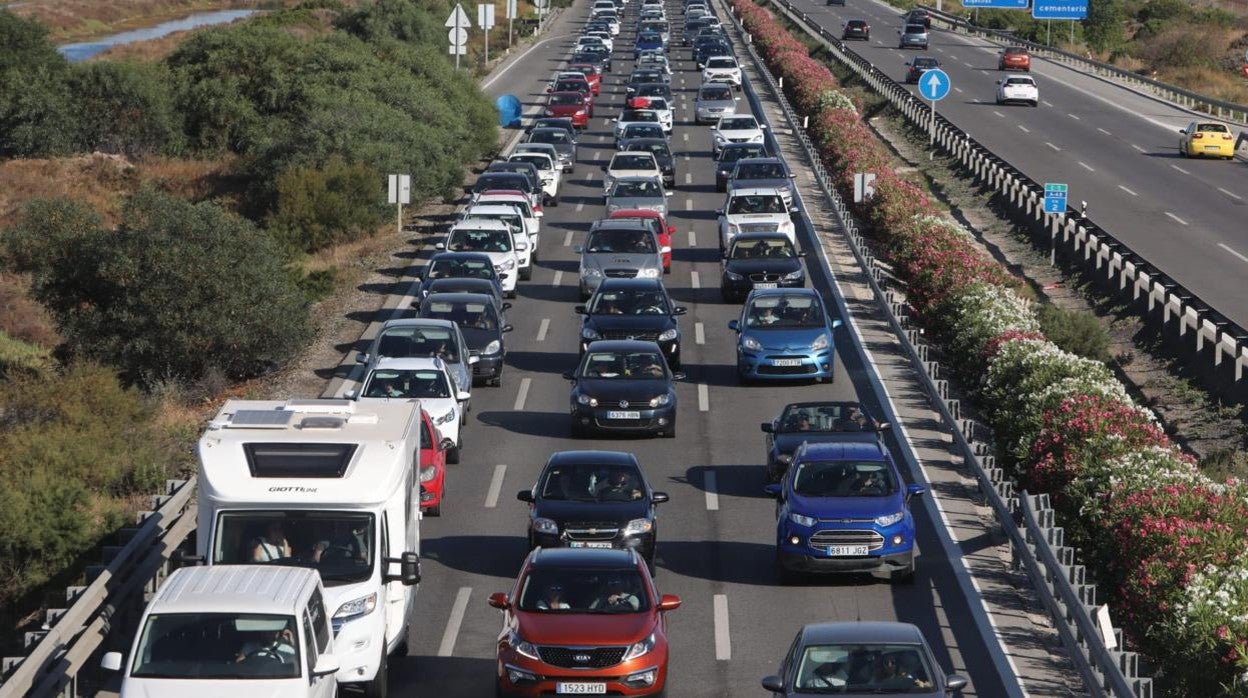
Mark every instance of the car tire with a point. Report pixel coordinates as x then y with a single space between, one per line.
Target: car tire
526 274
670 433
554 201
905 576
785 577
725 294
576 430
1182 151
435 510
510 294
667 269
379 687
452 454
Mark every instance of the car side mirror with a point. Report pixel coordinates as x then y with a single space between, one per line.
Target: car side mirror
915 490
953 682
580 310
775 684
767 428
463 395
578 249
506 306
603 168
884 426
472 360
1182 130
362 357
409 569
111 661
734 325
671 230
446 445
719 211
658 497
736 99
772 490
327 665
679 376
351 394
801 253
507 328
499 600
569 375
762 127
525 496
836 324
669 602
502 277
679 310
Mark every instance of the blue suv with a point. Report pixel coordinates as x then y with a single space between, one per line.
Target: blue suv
784 334
843 508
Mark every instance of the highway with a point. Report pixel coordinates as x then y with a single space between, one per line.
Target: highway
1117 149
716 534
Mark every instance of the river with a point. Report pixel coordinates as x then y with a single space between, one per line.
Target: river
76 53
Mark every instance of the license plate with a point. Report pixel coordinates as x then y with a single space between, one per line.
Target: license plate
846 550
766 284
1212 147
786 362
588 544
623 415
581 689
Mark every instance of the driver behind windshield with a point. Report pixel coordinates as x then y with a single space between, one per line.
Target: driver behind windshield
619 484
278 645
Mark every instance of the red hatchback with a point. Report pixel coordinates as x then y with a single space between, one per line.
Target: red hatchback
570 105
591 73
664 231
1014 58
583 621
432 466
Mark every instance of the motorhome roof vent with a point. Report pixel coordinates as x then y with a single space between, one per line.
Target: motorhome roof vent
298 460
321 406
322 423
261 419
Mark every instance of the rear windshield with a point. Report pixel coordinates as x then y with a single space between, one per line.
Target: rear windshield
716 92
640 115
626 161
559 100
916 29
621 242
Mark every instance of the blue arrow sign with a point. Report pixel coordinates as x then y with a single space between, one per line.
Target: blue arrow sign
934 84
1055 197
1001 4
1060 9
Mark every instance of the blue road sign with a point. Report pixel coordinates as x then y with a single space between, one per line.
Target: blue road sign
1060 9
934 84
1055 198
999 4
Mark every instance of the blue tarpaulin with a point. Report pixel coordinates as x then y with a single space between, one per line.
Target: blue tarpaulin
508 110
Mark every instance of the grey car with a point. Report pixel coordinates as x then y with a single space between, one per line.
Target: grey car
856 659
565 145
912 36
409 338
752 173
618 249
638 131
638 193
714 100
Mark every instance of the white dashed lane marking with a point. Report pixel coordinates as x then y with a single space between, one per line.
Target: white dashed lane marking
558 280
1180 169
708 485
457 619
542 329
694 280
1180 221
567 239
1242 257
693 239
699 333
522 395
496 486
1052 146
1086 167
1023 128
1127 190
704 398
723 641
1231 194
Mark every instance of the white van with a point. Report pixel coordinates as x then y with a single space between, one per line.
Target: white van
211 631
330 485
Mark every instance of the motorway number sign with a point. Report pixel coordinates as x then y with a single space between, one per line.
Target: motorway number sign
847 550
1055 198
581 689
623 415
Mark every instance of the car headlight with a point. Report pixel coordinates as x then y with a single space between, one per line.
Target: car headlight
607 182
719 137
549 112
661 400
591 272
587 400
547 526
446 418
648 274
581 112
802 519
889 519
733 276
590 333
638 526
521 646
505 266
793 275
750 343
357 608
756 138
820 343
668 335
493 347
427 473
640 648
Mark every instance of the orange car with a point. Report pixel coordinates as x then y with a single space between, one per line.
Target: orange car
1014 58
583 621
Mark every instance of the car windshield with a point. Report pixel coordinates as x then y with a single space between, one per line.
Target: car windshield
636 188
642 131
629 303
592 483
769 248
469 240
565 99
721 63
549 136
501 180
632 365
819 478
406 384
411 342
856 24
1015 51
640 76
642 161
626 241
591 590
862 668
218 646
825 418
756 203
926 63
541 163
916 29
1020 81
458 268
738 123
469 316
761 170
644 115
732 154
717 93
657 147
783 312
338 544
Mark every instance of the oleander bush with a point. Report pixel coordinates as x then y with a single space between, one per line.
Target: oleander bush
1167 543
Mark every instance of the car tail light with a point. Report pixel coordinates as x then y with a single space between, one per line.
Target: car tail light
1197 135
1226 136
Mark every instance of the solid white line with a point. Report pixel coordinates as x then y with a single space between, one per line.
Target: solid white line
1127 190
1107 133
1138 148
688 204
1052 146
699 333
496 486
693 238
694 280
1074 117
994 111
704 398
723 642
1242 257
513 64
542 328
1231 194
1023 128
1180 169
688 178
567 239
580 206
712 497
1086 167
1180 220
457 619
522 395
558 280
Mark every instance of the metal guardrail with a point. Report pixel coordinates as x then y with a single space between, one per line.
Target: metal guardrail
114 598
1229 111
1037 545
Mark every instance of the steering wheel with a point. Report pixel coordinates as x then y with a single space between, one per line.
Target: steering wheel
337 552
650 310
267 653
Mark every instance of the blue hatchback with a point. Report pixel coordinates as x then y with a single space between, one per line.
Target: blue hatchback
843 508
784 334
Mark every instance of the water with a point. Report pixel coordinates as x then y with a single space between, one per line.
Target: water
76 53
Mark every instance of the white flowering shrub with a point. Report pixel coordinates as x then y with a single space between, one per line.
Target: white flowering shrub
984 312
835 99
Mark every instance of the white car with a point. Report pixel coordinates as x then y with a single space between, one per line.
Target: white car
509 214
722 69
759 210
602 7
604 36
491 238
735 129
654 61
425 379
1018 89
588 41
532 220
660 106
635 116
547 168
629 163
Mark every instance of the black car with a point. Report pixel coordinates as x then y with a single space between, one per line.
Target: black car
917 66
856 29
652 89
662 151
466 284
633 309
599 51
563 122
454 265
597 59
815 422
692 27
728 157
510 180
760 260
482 325
919 16
623 386
711 46
593 499
527 169
641 77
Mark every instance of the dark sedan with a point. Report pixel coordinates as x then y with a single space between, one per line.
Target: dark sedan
815 422
760 260
728 157
466 284
633 309
593 499
662 151
454 265
623 387
856 29
482 326
916 67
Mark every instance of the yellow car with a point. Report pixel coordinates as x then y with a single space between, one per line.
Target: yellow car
1206 139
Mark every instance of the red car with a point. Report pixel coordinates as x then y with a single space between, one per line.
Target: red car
569 104
1014 58
432 466
574 85
665 231
591 73
583 621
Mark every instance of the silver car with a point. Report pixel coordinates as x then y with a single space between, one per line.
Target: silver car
410 338
755 173
618 249
565 145
912 36
714 100
638 193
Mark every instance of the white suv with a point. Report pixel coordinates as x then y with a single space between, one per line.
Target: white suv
735 129
547 169
526 252
758 210
722 69
629 163
425 379
491 238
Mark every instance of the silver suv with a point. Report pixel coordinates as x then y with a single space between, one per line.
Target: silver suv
913 36
618 249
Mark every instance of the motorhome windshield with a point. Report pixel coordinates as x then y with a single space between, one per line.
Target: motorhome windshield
218 646
339 545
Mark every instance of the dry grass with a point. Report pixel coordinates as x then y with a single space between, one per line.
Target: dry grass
21 317
70 20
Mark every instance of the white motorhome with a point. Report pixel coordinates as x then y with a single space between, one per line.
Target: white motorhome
330 485
216 631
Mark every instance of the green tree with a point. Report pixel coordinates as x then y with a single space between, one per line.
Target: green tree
126 108
317 207
1103 27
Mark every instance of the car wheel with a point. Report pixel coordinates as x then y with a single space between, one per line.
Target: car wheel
670 433
1034 105
784 575
510 294
905 576
577 431
527 273
452 454
1182 151
435 510
554 201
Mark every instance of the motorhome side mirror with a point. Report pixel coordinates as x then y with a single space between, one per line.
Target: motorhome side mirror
775 684
499 600
772 490
472 360
525 496
327 665
362 357
580 310
659 498
409 569
669 602
508 328
111 661
767 428
679 310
